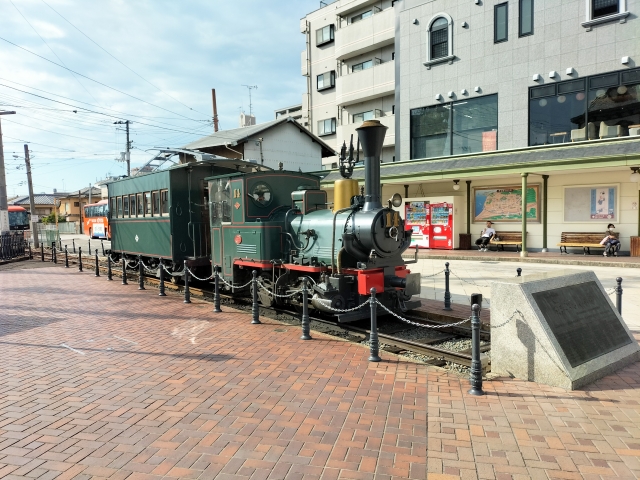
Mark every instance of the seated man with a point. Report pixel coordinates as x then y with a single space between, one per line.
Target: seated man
610 242
485 237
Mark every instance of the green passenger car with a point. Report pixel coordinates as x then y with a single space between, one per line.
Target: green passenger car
165 214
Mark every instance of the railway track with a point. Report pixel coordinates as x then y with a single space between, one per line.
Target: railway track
393 343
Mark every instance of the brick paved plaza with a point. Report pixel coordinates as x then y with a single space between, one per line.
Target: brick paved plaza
101 380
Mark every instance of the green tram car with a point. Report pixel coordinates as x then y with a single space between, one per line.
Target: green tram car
164 215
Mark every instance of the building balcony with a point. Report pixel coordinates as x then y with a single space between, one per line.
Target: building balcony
344 132
366 35
366 84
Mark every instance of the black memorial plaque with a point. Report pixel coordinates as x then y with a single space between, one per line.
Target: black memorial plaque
582 321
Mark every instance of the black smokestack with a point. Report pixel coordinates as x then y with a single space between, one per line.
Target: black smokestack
371 135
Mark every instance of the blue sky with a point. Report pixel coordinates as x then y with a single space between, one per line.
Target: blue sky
183 48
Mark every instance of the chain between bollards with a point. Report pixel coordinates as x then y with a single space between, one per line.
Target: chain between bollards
97 274
187 293
374 345
124 271
447 293
305 312
255 308
109 274
80 259
475 375
140 273
518 272
619 294
161 267
216 291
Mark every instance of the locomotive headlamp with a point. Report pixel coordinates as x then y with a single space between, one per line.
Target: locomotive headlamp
396 200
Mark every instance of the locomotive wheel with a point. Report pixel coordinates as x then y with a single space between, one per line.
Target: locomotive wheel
264 298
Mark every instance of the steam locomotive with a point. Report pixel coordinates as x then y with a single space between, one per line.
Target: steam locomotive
242 217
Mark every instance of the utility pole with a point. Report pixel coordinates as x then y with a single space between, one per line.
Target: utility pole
128 151
215 110
80 212
4 207
32 203
90 194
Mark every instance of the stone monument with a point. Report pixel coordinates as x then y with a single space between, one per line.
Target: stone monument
558 328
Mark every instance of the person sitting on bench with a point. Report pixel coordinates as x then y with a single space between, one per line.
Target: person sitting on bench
610 242
485 237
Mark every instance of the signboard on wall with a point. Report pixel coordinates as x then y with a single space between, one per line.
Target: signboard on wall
504 204
593 203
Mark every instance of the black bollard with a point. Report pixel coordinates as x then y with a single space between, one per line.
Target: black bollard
54 258
187 293
66 257
305 312
374 345
80 258
109 274
102 245
518 272
447 293
42 252
89 245
216 292
97 265
619 295
255 309
140 274
161 267
124 271
475 374
73 240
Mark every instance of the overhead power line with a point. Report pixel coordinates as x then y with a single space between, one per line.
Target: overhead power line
91 79
49 47
118 60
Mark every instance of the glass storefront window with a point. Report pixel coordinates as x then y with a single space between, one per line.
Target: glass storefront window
601 106
475 125
455 128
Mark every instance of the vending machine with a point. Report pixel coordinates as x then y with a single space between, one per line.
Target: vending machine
416 217
441 226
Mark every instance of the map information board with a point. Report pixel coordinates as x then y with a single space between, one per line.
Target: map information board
504 204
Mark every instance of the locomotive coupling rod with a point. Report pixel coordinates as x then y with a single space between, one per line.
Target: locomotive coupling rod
373 336
255 308
475 374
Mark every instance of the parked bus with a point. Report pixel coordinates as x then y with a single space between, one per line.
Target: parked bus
96 220
18 218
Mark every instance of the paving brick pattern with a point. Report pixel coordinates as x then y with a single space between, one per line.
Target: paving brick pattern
98 379
151 388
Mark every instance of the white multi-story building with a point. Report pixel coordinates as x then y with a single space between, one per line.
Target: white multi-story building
350 70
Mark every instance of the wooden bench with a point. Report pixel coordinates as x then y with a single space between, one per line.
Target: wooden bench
507 238
586 240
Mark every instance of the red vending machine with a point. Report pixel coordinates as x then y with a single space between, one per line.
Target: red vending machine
441 226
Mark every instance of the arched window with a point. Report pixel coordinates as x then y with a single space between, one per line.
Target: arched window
439 40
